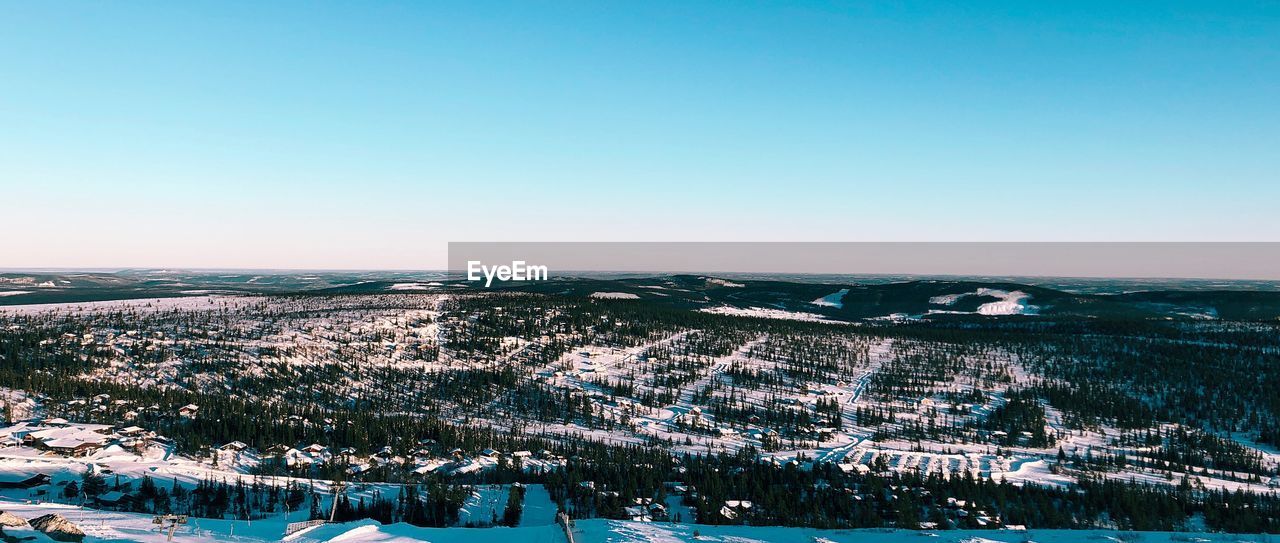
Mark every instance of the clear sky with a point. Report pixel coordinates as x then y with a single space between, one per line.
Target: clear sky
368 134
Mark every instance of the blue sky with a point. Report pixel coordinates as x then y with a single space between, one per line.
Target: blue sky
366 135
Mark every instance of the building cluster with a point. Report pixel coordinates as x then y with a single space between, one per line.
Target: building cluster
62 437
425 457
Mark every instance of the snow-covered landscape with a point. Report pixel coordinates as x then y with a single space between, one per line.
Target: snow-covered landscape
639 272
425 412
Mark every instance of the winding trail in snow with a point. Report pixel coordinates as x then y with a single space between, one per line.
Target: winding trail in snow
848 414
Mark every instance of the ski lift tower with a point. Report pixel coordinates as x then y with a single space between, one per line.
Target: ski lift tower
170 522
338 488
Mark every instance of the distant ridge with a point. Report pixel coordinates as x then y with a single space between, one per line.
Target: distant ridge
829 297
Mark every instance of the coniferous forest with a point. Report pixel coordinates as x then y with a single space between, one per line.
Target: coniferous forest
955 421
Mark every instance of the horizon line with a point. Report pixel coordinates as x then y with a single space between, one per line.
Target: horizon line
580 274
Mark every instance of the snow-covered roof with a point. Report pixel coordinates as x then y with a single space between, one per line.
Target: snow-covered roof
70 436
111 497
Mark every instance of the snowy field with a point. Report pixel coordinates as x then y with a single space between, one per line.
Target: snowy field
185 303
604 531
104 527
763 313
